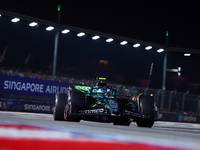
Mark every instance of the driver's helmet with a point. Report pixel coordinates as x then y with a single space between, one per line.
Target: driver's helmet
101 91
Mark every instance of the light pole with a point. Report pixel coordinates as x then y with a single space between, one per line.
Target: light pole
56 44
164 71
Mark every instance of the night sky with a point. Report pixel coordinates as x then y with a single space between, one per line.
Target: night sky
142 20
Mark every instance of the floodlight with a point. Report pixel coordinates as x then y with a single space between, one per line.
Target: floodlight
160 50
81 34
136 45
15 20
123 42
65 31
33 24
187 54
109 40
148 47
95 37
49 28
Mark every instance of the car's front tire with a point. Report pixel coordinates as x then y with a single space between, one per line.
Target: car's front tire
146 107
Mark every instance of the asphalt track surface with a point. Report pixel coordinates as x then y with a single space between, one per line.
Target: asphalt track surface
163 134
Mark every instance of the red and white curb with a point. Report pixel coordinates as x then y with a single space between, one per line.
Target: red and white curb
23 137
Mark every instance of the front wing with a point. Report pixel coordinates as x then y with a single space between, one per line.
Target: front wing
104 112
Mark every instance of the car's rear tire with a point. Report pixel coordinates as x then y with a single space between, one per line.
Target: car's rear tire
146 107
60 104
77 99
75 103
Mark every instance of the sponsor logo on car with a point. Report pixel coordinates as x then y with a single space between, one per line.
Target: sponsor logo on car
92 111
128 112
84 88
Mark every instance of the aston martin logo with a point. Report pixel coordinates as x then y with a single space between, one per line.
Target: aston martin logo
92 111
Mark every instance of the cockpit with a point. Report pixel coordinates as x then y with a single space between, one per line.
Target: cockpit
103 91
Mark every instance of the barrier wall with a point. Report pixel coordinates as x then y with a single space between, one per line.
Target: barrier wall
26 106
178 117
31 87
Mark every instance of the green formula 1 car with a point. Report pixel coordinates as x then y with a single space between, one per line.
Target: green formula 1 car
101 103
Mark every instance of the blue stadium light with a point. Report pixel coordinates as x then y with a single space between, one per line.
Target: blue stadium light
123 42
136 45
0 15
95 37
33 24
80 34
15 20
148 47
65 31
187 54
49 28
160 50
109 40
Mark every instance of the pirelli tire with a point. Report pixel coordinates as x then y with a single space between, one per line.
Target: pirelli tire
60 103
68 116
76 100
146 107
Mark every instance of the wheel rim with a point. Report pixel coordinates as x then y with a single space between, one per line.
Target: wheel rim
54 113
66 111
